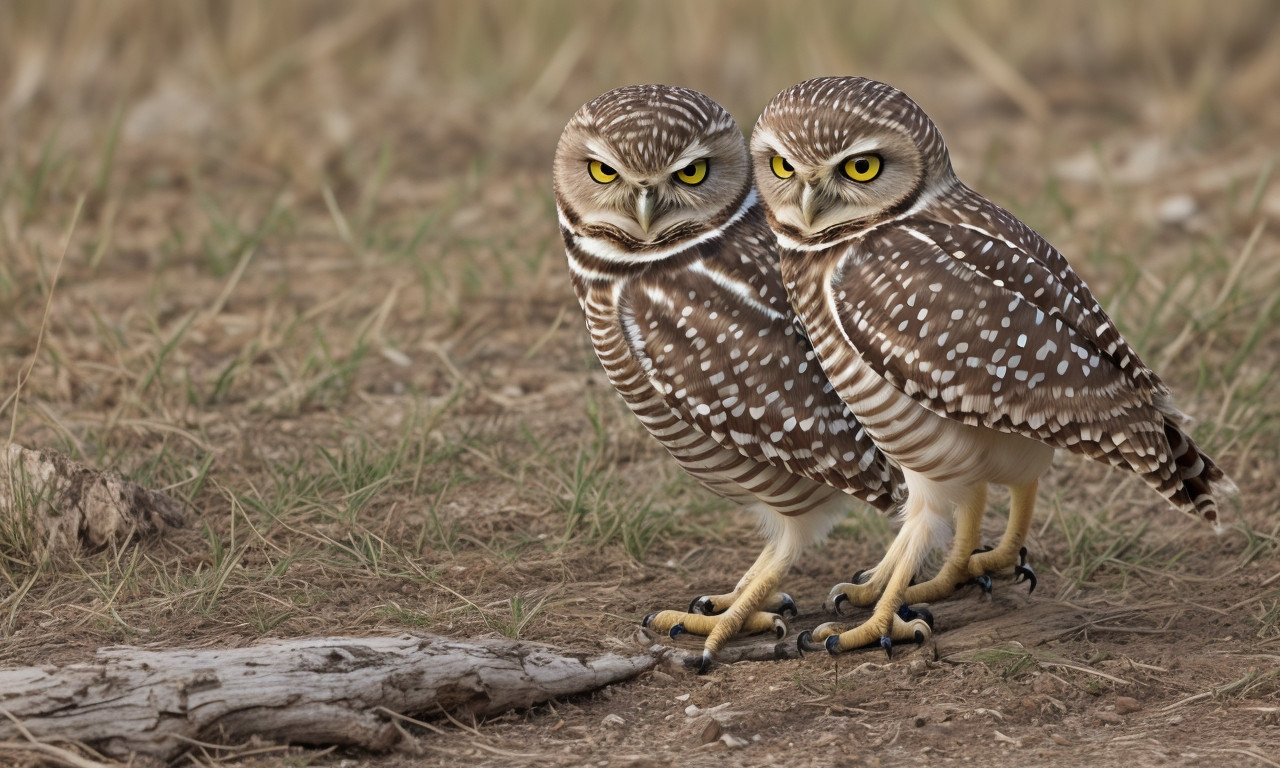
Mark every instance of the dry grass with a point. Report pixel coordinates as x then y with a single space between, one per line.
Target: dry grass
316 290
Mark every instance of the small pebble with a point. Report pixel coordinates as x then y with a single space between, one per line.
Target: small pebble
1127 704
1110 718
1177 209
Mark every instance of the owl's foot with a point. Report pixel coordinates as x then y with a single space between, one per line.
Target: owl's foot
892 620
712 605
745 611
988 561
861 590
868 587
719 628
1010 552
882 630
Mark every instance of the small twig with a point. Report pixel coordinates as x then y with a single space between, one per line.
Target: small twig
1129 630
469 729
66 757
1185 701
423 723
230 747
1086 670
62 756
1248 753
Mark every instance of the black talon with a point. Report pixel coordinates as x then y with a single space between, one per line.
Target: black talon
804 642
645 621
907 613
984 581
886 643
1024 572
702 605
858 575
833 644
788 605
1022 556
677 630
704 663
841 599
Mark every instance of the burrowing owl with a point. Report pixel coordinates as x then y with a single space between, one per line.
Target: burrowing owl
962 340
676 270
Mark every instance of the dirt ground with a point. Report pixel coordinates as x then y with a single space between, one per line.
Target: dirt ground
298 265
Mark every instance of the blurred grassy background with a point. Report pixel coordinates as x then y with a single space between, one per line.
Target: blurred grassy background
294 80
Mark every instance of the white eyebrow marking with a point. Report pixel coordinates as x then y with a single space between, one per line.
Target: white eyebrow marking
737 288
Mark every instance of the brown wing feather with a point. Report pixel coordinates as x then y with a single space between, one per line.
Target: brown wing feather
975 347
997 244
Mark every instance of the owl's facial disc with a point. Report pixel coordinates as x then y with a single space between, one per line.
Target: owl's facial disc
648 168
836 155
809 195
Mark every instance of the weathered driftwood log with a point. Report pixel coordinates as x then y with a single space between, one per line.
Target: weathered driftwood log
309 691
69 505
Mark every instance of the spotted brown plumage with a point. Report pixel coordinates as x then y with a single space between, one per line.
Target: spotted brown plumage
689 318
960 338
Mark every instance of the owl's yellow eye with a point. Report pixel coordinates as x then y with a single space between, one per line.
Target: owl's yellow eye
601 172
862 167
693 173
781 168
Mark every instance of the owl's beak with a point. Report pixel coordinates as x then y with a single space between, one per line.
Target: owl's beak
644 210
808 204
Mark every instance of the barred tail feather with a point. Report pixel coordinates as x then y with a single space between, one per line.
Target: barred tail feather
1200 482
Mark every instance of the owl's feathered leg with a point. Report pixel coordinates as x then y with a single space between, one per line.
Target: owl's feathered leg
922 527
954 572
1010 551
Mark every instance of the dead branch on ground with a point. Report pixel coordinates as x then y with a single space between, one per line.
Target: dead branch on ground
314 691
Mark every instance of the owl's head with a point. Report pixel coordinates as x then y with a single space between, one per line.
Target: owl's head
649 166
835 155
